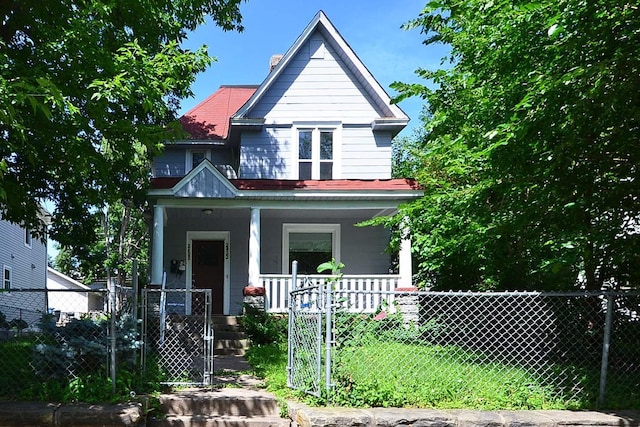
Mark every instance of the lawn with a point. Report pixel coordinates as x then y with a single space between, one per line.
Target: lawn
442 377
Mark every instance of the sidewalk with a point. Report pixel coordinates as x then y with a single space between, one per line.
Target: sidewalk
305 416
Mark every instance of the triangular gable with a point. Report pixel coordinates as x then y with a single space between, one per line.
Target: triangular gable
205 181
320 21
63 280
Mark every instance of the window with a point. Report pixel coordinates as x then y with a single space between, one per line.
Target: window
195 157
6 278
27 237
310 245
316 153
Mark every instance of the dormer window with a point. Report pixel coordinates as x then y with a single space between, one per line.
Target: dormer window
316 154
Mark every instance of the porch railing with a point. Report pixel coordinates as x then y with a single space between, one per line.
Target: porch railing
353 286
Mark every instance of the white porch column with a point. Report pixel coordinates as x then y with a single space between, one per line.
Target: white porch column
157 251
254 248
405 267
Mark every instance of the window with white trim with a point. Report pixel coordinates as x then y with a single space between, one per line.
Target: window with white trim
6 278
195 157
316 152
27 237
310 245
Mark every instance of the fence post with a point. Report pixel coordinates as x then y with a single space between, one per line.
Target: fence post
605 349
328 338
112 313
294 279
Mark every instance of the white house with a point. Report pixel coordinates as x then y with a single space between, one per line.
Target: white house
70 297
282 171
23 260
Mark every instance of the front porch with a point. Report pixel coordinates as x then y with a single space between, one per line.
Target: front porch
210 232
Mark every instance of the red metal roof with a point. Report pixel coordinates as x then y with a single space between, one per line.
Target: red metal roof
210 118
332 184
289 185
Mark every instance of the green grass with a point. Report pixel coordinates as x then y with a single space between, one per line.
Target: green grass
439 377
270 364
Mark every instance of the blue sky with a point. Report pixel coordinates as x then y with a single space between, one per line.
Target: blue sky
371 27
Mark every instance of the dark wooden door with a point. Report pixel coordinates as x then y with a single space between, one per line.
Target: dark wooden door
208 271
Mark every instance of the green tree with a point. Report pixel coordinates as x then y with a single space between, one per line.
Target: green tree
122 237
88 94
532 144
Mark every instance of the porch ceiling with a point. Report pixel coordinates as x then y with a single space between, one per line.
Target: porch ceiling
315 215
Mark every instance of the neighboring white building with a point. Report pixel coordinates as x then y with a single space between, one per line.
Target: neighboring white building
23 265
67 297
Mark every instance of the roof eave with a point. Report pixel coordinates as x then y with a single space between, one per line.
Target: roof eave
245 123
393 125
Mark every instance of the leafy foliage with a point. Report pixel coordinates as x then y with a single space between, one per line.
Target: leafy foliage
531 147
122 237
88 94
69 363
264 328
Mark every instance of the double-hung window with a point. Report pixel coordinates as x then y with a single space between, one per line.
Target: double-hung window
6 278
316 154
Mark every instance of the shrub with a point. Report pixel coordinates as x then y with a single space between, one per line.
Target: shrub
264 328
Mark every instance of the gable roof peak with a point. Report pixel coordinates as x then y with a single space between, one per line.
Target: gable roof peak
321 22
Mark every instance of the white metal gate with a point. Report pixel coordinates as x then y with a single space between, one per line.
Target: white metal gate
177 335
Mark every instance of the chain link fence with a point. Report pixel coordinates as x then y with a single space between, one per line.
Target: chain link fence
91 345
479 350
56 343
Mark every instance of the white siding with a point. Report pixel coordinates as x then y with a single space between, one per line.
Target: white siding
29 265
365 154
29 271
205 184
170 163
266 154
316 89
362 249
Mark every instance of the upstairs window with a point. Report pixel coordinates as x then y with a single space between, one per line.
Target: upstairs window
316 153
6 278
27 237
195 157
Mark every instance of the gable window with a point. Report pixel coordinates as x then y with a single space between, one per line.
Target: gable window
195 157
316 154
27 237
6 278
310 245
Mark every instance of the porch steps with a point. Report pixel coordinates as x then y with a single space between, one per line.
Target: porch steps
225 407
229 336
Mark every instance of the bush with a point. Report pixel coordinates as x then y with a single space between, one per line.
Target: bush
264 328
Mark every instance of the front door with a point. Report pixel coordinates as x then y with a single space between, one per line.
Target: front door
208 271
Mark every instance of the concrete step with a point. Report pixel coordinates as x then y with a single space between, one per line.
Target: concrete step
218 319
229 351
230 335
223 402
219 421
231 344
